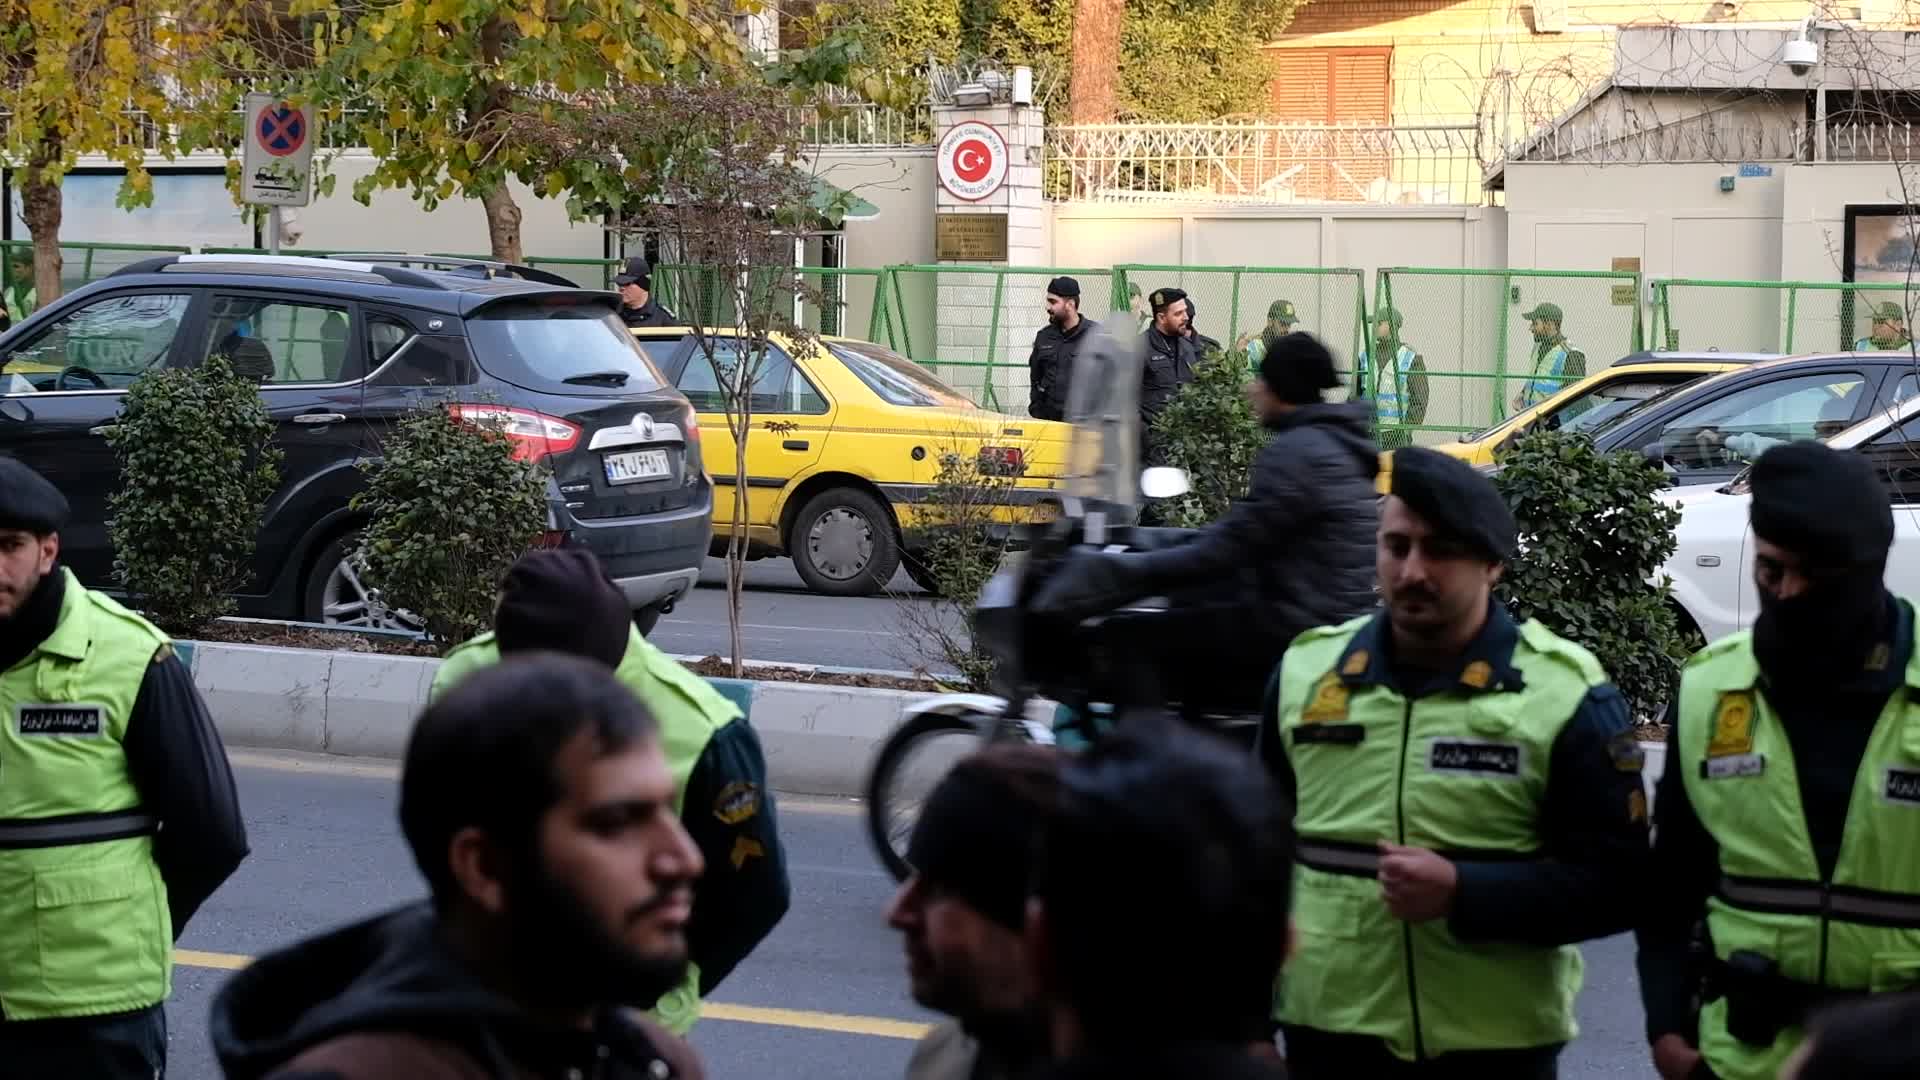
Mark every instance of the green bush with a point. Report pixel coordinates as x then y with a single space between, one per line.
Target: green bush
1592 537
449 510
196 471
957 546
1209 430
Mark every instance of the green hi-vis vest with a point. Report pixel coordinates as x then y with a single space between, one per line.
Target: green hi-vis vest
84 924
1390 395
689 711
1548 366
1457 772
1860 931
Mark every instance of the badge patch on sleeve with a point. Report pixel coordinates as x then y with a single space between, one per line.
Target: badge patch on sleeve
1901 786
31 718
737 802
1627 754
1329 701
1475 757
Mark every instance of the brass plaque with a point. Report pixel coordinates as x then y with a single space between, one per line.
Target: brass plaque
1624 295
1629 265
970 237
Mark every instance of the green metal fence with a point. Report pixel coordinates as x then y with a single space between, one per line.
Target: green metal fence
1472 328
974 325
83 263
1772 316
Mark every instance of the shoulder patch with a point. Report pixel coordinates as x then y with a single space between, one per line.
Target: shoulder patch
1626 753
1329 701
1356 663
737 802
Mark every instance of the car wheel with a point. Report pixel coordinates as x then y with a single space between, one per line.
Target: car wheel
337 596
843 543
646 619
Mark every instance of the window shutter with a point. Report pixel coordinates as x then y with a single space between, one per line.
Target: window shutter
1300 85
1361 87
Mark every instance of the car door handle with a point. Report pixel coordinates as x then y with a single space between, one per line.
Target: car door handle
319 418
794 444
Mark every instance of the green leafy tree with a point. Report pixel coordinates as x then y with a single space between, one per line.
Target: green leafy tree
196 472
1209 430
1593 536
450 506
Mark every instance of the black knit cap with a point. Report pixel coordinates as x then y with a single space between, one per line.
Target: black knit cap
1298 369
974 837
28 502
1065 288
1827 506
1455 501
560 599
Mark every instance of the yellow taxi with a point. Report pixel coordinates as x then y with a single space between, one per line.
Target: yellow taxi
1589 403
844 452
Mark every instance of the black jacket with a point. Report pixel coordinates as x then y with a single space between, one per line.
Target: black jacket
1169 367
1302 541
648 314
387 997
1050 366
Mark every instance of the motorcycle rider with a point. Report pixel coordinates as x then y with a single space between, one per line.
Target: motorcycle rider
1295 553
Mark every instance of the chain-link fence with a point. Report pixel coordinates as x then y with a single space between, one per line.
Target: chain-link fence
974 325
80 263
1234 304
1781 316
1496 340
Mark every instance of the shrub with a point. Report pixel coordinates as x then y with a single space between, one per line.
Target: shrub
450 507
196 472
1593 537
1209 430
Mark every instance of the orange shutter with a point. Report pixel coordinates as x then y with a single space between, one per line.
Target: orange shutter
1361 87
1300 85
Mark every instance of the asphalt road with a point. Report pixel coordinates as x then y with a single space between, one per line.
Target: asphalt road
823 998
784 620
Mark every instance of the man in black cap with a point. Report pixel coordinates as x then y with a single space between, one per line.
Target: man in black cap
118 815
1170 360
1050 365
1790 803
637 308
1469 808
962 910
1295 553
561 601
1203 346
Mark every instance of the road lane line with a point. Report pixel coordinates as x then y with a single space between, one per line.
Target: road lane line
841 1023
382 769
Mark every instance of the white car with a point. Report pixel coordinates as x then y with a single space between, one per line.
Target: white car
1712 561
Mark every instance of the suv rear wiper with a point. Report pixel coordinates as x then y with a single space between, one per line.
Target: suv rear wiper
598 378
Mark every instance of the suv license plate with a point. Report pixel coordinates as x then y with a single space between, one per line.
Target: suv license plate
636 465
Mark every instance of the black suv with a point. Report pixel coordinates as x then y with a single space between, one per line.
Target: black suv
343 347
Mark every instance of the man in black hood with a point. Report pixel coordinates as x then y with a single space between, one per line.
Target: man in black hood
539 807
1786 762
1296 553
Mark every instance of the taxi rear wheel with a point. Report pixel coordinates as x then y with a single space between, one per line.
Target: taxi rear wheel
843 543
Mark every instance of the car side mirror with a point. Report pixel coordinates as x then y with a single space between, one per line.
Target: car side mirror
1164 482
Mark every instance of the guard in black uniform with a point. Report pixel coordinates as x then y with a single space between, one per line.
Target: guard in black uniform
637 307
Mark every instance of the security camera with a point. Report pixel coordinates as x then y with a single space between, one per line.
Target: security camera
1800 55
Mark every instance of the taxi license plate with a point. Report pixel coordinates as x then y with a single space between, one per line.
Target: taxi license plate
636 465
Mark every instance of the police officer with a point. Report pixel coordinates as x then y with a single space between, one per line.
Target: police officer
1790 803
561 600
1051 363
1203 346
1170 360
1400 381
637 306
1556 364
1889 330
1468 807
1282 316
118 816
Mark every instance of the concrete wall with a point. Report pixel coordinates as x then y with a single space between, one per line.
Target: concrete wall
900 184
395 221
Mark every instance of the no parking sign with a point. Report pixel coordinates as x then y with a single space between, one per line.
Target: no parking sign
277 163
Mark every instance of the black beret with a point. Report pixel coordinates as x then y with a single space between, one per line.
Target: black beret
1162 298
560 599
1825 505
1455 501
27 501
1065 288
1297 367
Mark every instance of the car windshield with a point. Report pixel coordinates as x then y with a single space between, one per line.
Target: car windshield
561 348
1620 419
898 380
1593 411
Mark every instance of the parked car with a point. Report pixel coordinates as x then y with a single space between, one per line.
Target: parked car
846 445
1712 563
342 348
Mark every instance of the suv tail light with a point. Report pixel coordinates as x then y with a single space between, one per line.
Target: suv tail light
1002 461
535 435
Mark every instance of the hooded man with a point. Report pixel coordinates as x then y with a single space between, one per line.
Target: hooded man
1050 365
1295 553
1789 808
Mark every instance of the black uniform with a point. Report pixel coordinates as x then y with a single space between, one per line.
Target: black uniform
1050 366
648 314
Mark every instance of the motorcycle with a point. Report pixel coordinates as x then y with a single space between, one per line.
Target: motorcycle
1042 668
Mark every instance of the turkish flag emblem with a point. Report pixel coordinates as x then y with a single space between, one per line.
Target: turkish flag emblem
972 161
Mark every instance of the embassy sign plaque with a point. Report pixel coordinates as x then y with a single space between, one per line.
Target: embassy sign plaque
970 237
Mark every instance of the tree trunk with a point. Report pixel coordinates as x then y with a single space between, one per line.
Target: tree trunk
1093 91
503 223
40 205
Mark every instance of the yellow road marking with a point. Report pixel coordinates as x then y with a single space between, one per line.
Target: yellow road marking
841 1023
383 769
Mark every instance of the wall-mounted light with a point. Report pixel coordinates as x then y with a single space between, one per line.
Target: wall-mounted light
972 94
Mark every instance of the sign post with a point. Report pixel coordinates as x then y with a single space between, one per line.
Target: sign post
276 164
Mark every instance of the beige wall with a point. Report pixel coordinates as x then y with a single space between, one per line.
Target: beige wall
394 221
900 184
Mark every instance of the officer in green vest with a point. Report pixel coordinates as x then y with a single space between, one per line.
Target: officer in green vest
1790 802
1889 330
1468 804
118 816
1400 387
1556 364
1282 316
561 600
